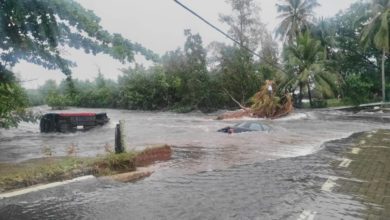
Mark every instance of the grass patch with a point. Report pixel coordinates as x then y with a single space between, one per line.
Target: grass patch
338 102
51 169
114 163
42 171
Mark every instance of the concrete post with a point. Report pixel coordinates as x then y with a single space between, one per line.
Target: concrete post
120 143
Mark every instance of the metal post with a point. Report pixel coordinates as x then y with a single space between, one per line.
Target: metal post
119 138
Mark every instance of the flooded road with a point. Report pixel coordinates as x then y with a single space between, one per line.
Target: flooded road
194 136
212 175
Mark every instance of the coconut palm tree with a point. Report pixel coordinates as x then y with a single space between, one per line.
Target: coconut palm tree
296 16
377 31
306 62
325 32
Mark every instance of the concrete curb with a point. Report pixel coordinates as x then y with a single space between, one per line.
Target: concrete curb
131 176
42 187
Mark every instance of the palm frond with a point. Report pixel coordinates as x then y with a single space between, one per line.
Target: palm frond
381 38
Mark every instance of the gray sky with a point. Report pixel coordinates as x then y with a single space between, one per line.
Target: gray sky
159 26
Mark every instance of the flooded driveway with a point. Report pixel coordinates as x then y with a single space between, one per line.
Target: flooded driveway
274 175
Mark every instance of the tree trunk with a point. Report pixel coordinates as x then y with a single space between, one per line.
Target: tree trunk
309 94
383 76
300 97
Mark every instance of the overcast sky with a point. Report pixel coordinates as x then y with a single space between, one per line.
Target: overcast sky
157 25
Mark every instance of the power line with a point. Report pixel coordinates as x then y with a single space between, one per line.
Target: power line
226 35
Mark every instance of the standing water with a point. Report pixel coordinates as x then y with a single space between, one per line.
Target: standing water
212 175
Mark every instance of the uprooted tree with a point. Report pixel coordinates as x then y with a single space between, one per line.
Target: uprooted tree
265 104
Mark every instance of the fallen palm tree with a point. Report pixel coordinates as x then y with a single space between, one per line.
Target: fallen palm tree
265 104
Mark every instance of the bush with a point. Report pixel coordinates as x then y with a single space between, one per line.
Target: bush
57 101
356 89
319 104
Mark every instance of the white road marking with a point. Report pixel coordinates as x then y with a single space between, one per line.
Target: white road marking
345 163
329 184
307 215
42 187
356 150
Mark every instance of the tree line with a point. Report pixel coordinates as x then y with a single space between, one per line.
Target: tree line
344 57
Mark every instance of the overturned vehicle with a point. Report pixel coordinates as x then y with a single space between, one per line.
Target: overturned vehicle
67 122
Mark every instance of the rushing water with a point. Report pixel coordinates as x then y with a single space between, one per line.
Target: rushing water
254 175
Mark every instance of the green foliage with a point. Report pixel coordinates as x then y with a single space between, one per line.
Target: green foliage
346 54
112 163
296 15
319 104
186 74
181 83
57 101
377 32
325 31
12 105
336 102
322 60
13 101
33 31
38 96
244 23
35 98
36 30
20 175
238 73
357 89
144 89
100 97
306 63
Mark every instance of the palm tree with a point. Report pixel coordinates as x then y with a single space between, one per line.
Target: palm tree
325 32
306 60
296 16
377 31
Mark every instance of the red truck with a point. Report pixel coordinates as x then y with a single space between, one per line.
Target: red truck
66 122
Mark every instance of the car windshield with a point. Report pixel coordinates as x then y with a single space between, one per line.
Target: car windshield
242 125
254 126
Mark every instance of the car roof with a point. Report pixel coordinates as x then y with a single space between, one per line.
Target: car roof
252 125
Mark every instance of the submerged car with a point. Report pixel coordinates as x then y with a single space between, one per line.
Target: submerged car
66 122
246 127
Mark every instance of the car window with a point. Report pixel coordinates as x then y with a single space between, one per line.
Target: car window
255 126
266 127
242 125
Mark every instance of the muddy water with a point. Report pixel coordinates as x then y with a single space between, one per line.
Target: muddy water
212 175
194 135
